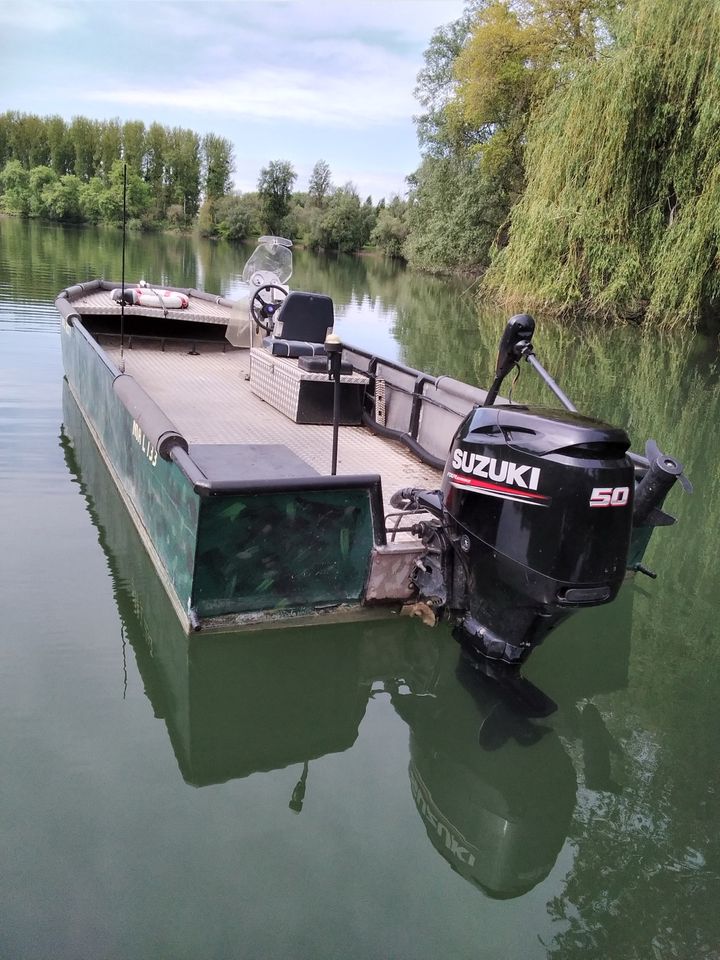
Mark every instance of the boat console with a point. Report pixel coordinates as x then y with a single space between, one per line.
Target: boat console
305 396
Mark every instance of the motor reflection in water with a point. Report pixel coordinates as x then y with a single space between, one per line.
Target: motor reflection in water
494 787
492 780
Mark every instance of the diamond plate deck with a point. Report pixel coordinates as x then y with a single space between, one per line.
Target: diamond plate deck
209 400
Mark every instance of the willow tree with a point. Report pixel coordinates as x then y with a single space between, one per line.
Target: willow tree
484 75
621 214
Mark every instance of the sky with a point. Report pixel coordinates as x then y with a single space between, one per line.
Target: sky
294 80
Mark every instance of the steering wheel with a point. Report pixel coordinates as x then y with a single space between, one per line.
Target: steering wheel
263 311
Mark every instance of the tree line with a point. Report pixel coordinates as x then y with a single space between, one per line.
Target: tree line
73 172
324 217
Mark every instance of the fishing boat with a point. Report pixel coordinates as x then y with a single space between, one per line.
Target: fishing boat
277 475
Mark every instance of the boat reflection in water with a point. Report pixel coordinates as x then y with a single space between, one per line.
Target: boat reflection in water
495 786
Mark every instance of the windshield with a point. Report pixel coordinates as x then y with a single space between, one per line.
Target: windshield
272 255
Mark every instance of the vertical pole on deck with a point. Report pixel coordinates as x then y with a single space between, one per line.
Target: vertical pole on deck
333 349
122 279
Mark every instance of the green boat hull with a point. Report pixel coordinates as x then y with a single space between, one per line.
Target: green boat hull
229 557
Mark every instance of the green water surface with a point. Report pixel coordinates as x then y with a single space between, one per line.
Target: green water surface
355 791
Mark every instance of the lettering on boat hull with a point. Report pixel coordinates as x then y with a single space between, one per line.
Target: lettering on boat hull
147 448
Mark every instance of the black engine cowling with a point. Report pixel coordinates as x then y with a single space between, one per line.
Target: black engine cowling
538 506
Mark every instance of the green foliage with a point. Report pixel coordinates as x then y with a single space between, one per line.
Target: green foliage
320 183
154 167
175 215
239 217
40 178
217 165
26 139
169 172
458 200
110 146
235 217
455 213
15 183
111 199
308 218
182 171
484 76
436 85
53 197
345 224
59 144
85 137
275 185
207 219
90 200
622 206
391 228
174 165
61 199
496 72
133 145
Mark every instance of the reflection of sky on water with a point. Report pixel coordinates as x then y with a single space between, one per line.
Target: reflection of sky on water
26 316
30 372
368 324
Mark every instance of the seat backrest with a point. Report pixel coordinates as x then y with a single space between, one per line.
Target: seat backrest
304 316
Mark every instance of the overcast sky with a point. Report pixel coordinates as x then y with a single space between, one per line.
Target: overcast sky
292 80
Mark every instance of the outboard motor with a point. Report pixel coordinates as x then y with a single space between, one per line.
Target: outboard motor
535 516
538 506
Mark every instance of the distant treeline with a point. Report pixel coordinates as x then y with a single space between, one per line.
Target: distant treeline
325 217
73 173
569 148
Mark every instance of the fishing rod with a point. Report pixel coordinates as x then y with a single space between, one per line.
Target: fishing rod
122 280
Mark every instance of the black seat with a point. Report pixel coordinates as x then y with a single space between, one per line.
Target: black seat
301 325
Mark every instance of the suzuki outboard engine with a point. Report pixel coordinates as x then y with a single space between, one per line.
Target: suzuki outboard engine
537 504
535 517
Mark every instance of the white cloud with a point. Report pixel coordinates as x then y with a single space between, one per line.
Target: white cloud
359 99
348 64
335 64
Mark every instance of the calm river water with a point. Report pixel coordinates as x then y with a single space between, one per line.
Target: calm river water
348 792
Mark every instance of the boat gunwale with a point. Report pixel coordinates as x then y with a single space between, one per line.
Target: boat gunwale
90 286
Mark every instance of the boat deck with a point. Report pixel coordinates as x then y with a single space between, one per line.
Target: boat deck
209 400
